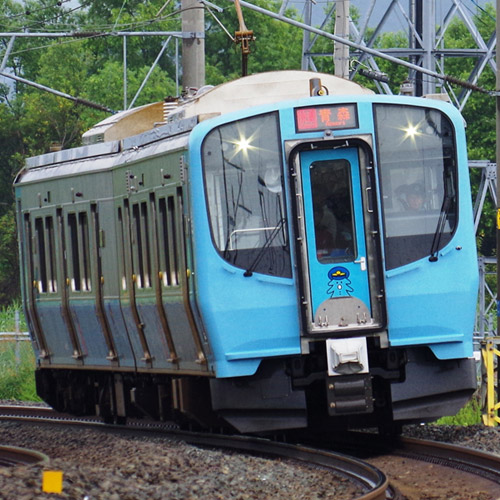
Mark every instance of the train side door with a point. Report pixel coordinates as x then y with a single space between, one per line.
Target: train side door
338 282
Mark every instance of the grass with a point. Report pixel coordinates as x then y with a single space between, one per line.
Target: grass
17 359
17 371
470 414
7 318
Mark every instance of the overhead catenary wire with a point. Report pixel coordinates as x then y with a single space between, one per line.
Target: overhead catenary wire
364 48
77 100
43 22
29 12
94 31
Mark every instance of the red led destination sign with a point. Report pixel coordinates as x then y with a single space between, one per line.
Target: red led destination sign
336 116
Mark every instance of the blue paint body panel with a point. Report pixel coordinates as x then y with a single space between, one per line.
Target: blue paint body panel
250 318
434 303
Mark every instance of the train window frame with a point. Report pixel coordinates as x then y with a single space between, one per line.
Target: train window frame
122 244
45 263
79 248
334 229
418 180
243 174
169 258
141 243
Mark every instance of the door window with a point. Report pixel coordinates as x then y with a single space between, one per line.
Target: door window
333 211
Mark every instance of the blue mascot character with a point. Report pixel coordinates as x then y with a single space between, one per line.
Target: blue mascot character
339 284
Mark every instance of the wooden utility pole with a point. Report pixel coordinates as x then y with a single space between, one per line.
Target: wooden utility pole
193 44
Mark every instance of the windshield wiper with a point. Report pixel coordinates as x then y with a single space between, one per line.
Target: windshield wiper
270 239
445 209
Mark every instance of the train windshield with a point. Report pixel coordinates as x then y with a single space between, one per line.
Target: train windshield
244 185
418 174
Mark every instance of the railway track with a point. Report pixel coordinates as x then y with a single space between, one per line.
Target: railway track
475 462
11 456
373 482
469 460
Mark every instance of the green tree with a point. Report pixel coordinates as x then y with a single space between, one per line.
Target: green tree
9 265
277 45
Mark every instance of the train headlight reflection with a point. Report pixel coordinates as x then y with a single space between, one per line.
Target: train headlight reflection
243 144
411 131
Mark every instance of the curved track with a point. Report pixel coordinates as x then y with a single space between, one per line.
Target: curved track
367 476
461 458
468 460
11 456
371 480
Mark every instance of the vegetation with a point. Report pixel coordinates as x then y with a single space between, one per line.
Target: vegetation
17 359
17 367
8 318
468 415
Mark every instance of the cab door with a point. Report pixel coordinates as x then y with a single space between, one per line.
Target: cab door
337 279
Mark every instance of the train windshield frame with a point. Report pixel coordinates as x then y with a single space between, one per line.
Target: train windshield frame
417 160
243 175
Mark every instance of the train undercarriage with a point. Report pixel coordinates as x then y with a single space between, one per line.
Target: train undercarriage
404 385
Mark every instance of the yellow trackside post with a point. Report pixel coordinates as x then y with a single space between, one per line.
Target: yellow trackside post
489 351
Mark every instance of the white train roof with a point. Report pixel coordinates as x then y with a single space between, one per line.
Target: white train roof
253 90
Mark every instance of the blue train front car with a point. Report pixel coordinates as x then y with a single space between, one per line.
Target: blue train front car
265 258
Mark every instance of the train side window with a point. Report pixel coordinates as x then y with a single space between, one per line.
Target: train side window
45 267
79 250
418 177
40 260
141 258
243 172
51 255
169 261
85 249
121 240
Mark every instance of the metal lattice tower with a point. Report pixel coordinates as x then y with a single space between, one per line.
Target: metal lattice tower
425 23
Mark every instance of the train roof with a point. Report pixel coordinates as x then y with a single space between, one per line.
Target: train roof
253 90
162 120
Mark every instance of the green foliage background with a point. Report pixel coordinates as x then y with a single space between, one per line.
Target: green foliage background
91 67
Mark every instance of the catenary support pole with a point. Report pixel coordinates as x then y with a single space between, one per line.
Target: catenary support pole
193 44
497 99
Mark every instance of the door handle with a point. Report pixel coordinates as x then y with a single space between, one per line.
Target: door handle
361 262
368 191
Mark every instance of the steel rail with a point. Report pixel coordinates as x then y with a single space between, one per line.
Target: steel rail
367 477
480 463
476 462
11 456
12 411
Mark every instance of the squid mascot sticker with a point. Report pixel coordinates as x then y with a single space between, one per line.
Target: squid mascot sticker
339 284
